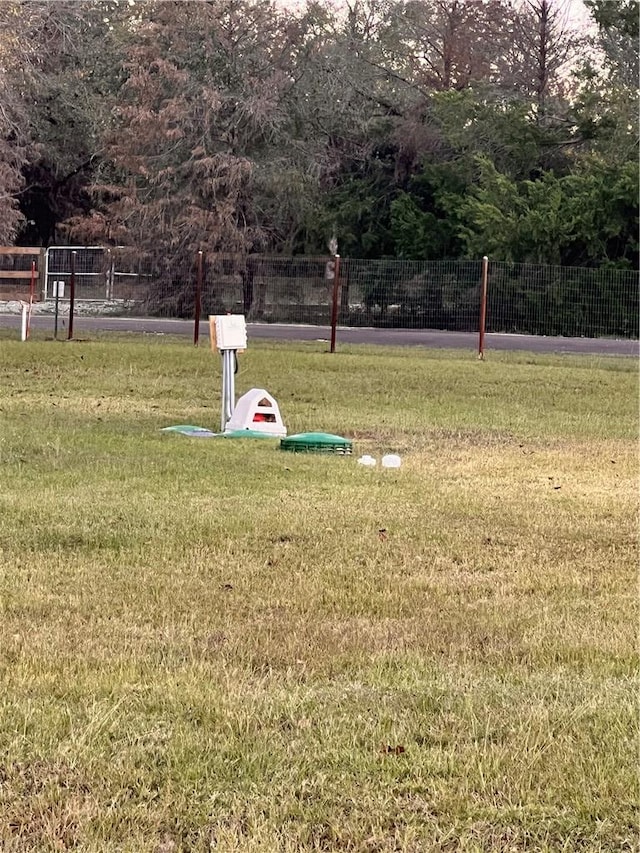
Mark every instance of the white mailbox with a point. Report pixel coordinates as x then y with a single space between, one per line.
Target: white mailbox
230 331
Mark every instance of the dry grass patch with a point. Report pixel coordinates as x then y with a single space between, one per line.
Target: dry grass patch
215 645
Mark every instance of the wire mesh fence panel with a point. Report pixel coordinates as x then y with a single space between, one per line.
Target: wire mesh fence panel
568 301
263 288
294 290
166 286
410 294
268 289
90 271
132 278
524 298
101 274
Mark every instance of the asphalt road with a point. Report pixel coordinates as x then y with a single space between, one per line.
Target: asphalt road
390 337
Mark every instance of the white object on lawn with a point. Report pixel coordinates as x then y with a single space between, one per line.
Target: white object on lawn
257 410
25 310
367 460
391 460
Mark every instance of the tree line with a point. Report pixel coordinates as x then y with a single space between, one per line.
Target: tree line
418 129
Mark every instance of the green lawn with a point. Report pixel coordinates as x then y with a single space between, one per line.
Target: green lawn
215 645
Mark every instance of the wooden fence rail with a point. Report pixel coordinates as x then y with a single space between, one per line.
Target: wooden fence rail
15 283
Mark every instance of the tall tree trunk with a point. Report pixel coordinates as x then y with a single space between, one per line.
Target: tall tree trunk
542 75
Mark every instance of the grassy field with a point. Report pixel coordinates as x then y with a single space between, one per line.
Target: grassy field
215 645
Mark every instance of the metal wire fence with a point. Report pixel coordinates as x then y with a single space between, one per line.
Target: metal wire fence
300 290
569 301
521 298
101 274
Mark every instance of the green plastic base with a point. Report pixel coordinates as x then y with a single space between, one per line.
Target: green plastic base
202 432
317 442
246 433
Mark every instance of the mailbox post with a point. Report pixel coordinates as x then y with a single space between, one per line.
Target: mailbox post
228 333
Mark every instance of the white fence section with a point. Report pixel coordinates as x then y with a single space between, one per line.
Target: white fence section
97 276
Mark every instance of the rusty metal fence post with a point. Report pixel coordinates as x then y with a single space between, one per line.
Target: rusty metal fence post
334 301
72 294
198 299
483 306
